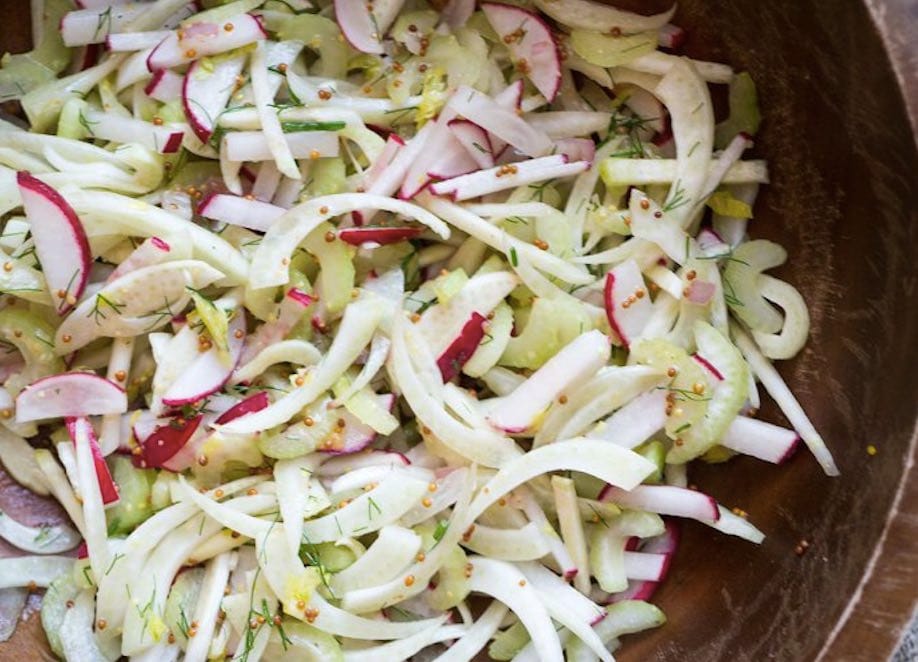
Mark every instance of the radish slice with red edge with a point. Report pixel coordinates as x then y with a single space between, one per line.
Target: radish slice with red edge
250 405
202 39
356 435
152 251
628 306
500 120
576 149
765 441
205 92
165 442
532 45
241 211
107 485
671 36
69 394
378 235
665 500
165 86
60 240
709 368
461 349
475 140
454 160
358 25
210 371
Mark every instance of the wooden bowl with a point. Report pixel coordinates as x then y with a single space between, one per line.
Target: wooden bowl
836 81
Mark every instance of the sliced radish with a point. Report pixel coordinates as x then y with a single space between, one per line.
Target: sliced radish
440 145
210 371
532 45
475 140
239 210
355 435
250 405
511 97
380 235
60 240
503 177
121 129
442 325
628 305
206 91
107 486
577 149
576 362
709 368
166 441
461 349
134 41
358 25
394 143
152 251
69 394
665 500
700 292
253 146
454 160
765 441
165 86
289 313
671 36
501 121
202 39
711 243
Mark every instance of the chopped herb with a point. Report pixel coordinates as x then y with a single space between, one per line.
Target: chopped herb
514 258
296 127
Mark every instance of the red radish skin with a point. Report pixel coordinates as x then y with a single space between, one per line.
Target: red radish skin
709 367
206 93
671 37
666 500
166 85
165 442
461 349
628 308
355 436
532 45
475 140
70 394
107 486
250 405
209 371
60 240
377 235
198 42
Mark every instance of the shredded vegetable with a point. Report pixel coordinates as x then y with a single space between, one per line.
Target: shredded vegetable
342 316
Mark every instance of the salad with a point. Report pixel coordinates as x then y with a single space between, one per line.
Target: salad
375 330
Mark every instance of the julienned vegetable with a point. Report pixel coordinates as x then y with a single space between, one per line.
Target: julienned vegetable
338 313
